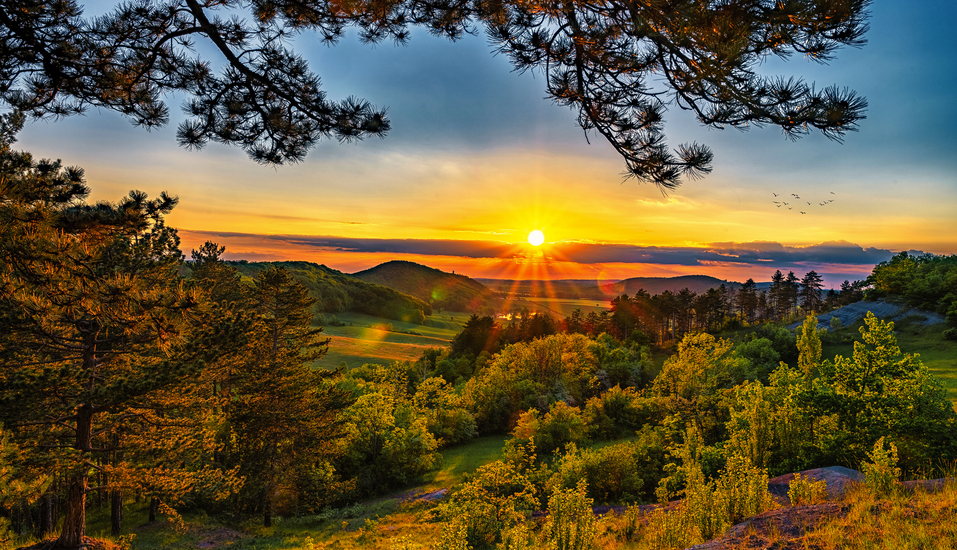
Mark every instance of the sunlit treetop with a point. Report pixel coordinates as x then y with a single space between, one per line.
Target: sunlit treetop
619 63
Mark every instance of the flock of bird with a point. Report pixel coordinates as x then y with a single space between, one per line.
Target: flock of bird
783 204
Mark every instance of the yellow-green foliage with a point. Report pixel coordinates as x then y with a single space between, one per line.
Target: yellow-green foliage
496 499
560 367
709 507
881 472
571 524
560 426
804 490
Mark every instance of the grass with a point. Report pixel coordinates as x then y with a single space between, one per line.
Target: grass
559 307
465 459
366 339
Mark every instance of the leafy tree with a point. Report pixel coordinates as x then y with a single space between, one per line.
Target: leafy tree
691 382
96 326
618 64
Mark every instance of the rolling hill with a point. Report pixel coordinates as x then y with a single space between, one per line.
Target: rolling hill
339 292
442 290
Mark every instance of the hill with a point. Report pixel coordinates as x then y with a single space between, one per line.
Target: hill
339 292
440 289
589 289
657 285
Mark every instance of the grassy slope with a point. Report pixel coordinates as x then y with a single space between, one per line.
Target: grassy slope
364 339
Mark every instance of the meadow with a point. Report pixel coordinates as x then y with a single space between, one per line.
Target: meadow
366 339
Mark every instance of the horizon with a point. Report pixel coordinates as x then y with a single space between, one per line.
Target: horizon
476 160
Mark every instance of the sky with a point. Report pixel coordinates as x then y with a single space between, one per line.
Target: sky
477 159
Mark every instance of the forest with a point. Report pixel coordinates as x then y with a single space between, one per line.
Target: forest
129 379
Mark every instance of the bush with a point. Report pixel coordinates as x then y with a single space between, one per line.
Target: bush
614 474
571 524
804 490
560 426
951 333
881 473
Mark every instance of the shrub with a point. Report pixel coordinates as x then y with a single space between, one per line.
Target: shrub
881 473
804 490
571 524
951 333
613 474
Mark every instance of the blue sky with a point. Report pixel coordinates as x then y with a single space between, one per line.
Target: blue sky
476 155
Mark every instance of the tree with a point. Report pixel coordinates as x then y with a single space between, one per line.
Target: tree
811 285
282 415
96 326
618 64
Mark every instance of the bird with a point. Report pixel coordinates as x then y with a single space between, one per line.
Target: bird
775 202
789 208
809 202
832 192
773 193
804 212
785 204
779 206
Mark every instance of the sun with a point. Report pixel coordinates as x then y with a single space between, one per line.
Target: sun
536 238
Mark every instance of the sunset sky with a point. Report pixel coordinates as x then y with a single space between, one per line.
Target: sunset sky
477 159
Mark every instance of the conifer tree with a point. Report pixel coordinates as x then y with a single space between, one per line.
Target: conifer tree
618 64
95 323
282 411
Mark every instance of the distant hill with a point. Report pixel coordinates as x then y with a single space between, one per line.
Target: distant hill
338 292
657 285
589 289
440 289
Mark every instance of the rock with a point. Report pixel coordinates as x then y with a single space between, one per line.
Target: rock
838 479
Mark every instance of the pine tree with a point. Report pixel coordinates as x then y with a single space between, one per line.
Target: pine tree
618 64
811 285
282 415
95 323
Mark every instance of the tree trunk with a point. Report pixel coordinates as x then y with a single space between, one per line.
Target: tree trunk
74 521
116 511
267 510
154 507
46 515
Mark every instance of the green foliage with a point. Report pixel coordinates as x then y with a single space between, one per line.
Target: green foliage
446 417
614 474
710 507
803 490
809 347
559 427
880 471
618 412
529 375
571 524
386 444
926 282
100 340
762 355
692 382
498 497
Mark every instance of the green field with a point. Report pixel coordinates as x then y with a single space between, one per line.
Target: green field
366 339
558 307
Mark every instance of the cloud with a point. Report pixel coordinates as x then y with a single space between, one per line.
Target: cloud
729 253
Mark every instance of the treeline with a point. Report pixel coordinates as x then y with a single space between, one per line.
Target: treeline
927 282
336 292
